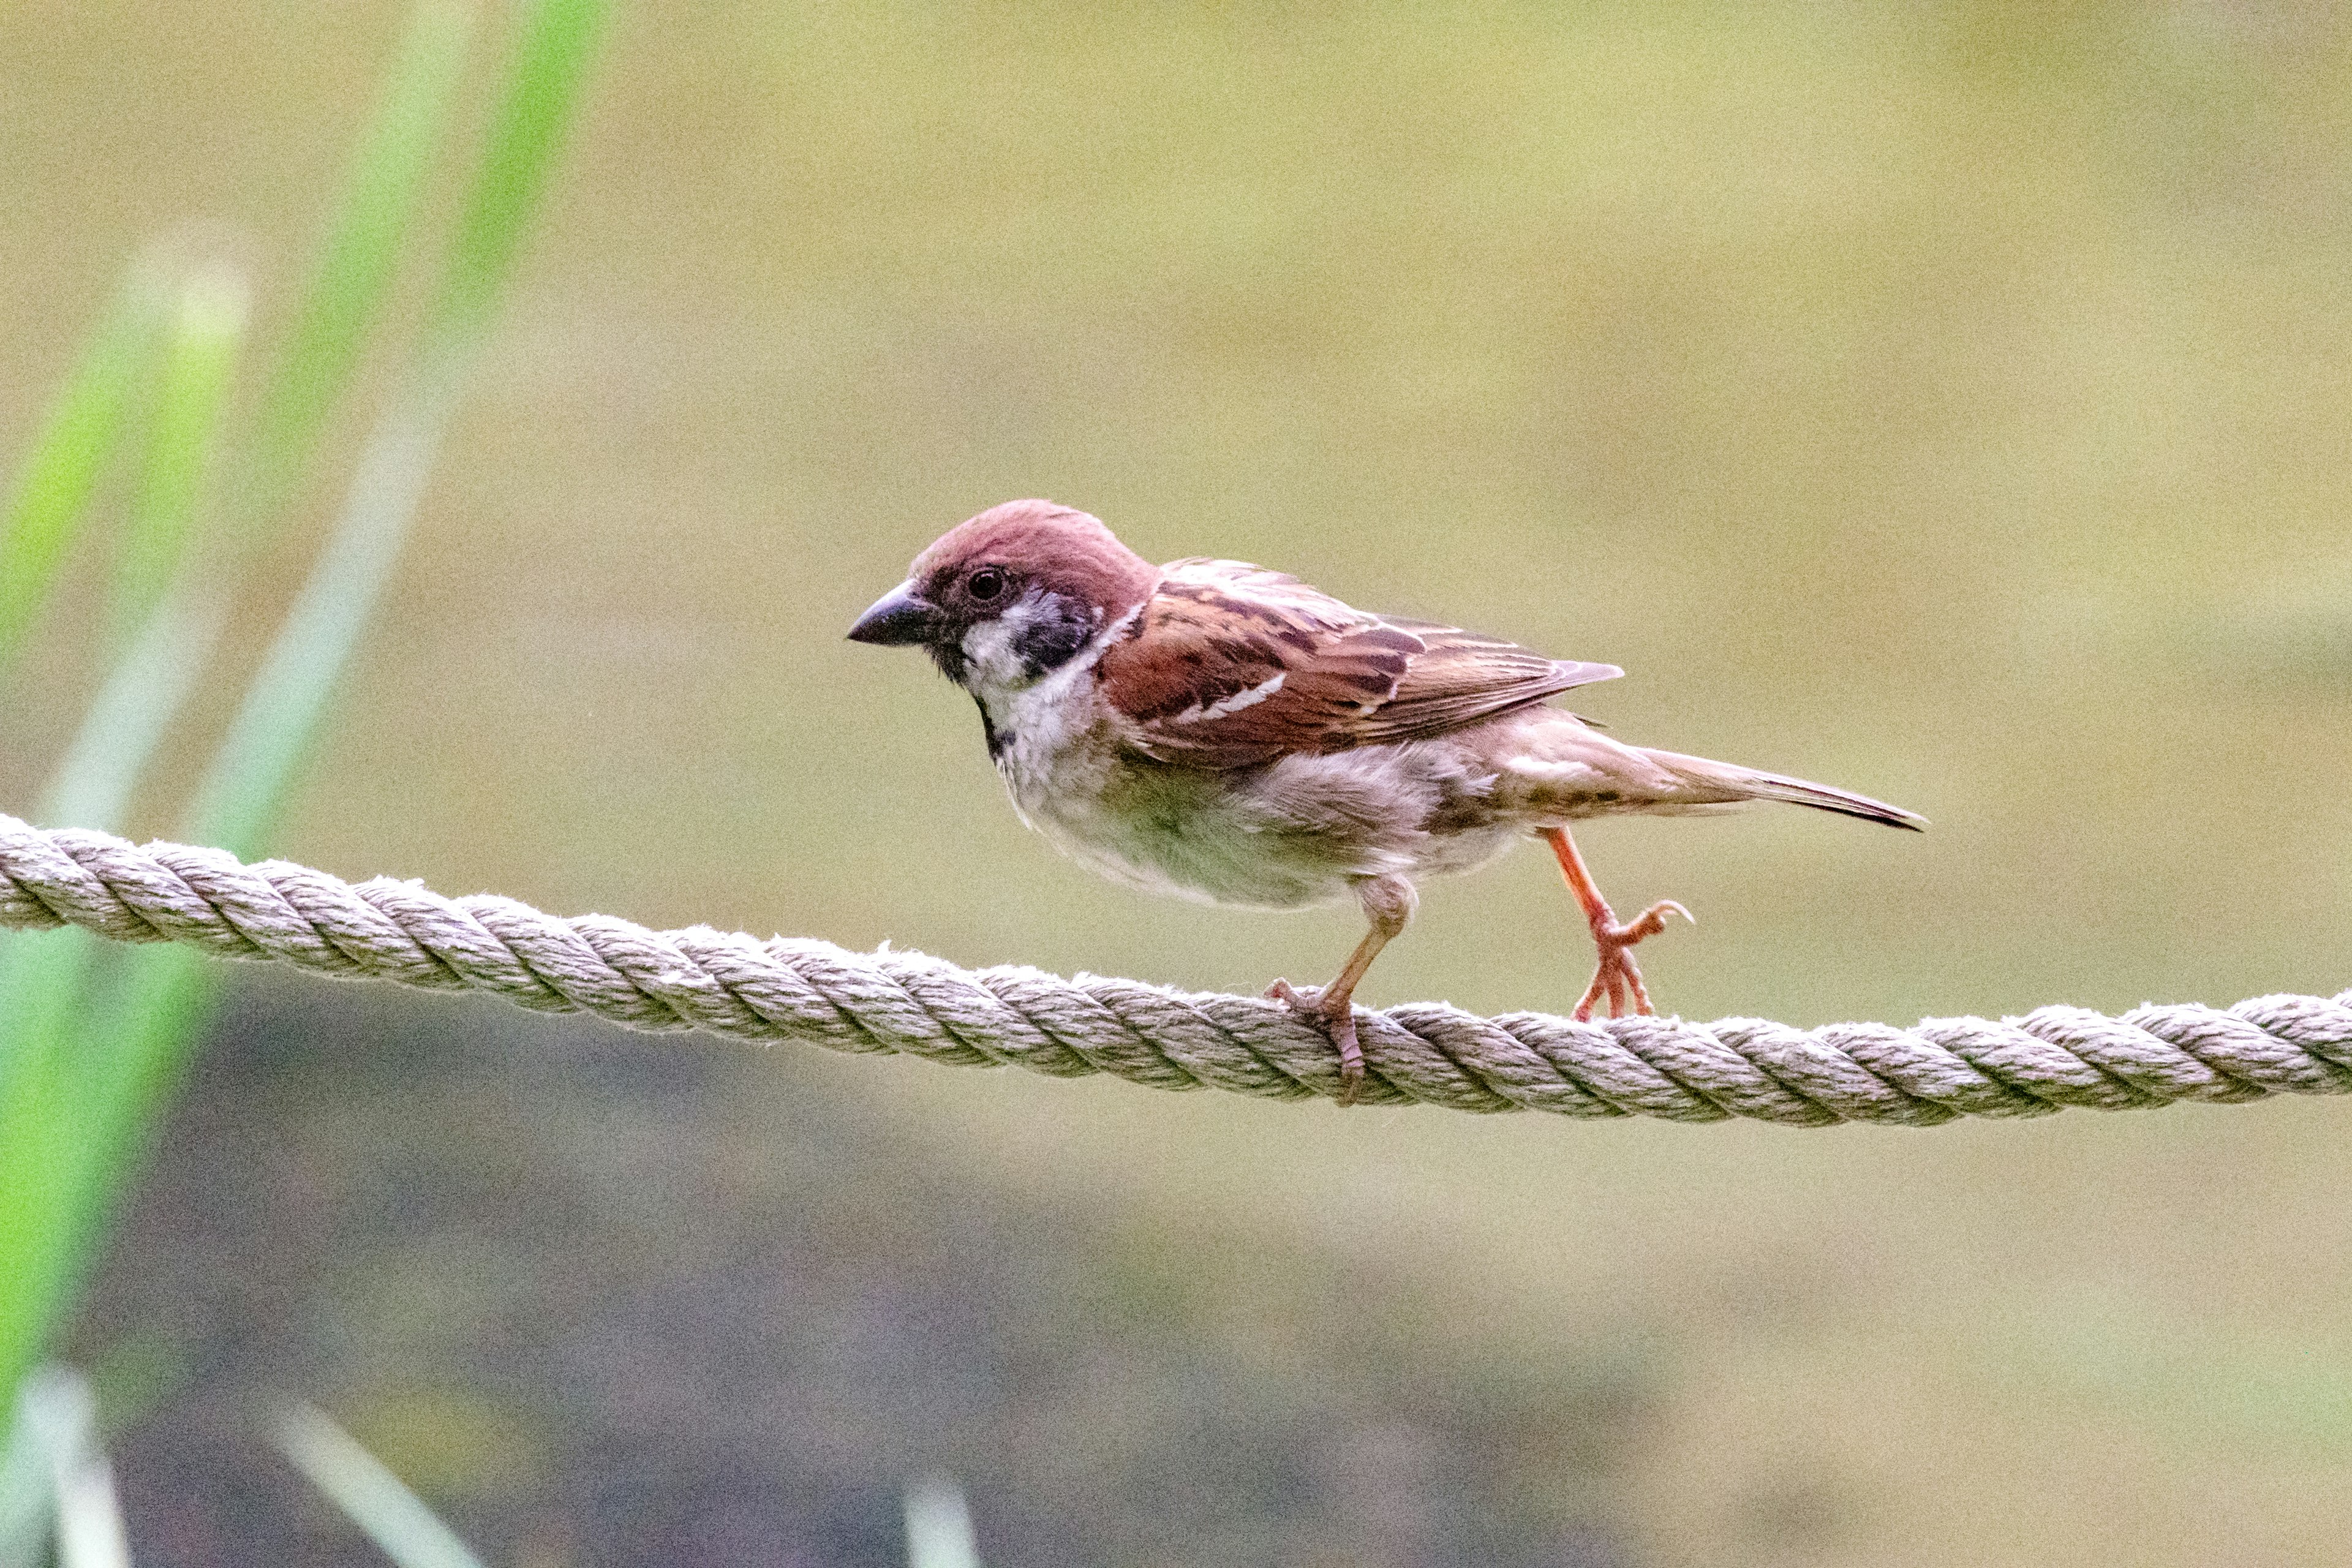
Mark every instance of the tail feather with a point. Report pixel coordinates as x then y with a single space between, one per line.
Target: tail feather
1727 782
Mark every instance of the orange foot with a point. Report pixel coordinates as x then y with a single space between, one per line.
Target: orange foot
1617 975
1336 1016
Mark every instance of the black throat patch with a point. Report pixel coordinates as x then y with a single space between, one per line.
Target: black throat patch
988 729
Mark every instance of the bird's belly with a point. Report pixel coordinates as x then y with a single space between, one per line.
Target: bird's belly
1301 832
1178 831
1178 835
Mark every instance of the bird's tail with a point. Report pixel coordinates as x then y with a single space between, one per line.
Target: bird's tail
1554 767
1712 782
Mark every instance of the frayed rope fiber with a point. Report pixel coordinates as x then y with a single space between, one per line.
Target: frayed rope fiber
788 989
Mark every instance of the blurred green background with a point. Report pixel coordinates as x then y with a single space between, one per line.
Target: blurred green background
1949 401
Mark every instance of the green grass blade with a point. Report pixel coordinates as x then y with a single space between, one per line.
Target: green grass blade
155 673
345 293
93 1073
199 364
126 721
370 1495
47 1042
47 1046
44 1132
556 43
74 1094
50 497
243 792
938 1526
348 285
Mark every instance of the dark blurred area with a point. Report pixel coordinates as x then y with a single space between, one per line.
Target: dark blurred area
612 1305
1944 401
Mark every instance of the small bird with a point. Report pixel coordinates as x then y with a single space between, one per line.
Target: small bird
1225 733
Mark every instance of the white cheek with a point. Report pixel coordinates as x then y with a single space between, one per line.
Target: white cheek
988 654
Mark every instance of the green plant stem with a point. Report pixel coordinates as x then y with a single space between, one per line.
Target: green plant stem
50 499
198 366
79 1086
349 284
243 792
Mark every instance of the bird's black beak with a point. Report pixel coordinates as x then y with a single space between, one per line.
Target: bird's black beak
900 617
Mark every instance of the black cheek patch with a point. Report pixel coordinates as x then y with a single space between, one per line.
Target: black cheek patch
1053 636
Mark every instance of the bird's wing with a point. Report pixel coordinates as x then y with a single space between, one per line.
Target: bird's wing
1229 665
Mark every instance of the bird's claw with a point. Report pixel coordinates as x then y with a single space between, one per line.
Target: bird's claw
1653 921
1308 1003
1617 976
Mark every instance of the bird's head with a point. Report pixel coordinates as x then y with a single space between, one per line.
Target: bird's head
1012 595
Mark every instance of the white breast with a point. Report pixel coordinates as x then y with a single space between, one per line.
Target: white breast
1049 729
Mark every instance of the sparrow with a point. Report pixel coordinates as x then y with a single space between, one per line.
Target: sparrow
1225 733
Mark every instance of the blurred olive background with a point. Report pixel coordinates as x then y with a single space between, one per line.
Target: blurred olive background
1949 401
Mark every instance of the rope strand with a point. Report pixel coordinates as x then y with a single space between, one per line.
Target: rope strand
1426 1053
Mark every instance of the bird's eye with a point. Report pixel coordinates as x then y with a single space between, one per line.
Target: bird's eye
986 584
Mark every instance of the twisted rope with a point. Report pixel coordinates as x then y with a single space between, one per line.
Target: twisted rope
784 989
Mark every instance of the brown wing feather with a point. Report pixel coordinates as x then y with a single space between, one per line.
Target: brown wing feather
1230 666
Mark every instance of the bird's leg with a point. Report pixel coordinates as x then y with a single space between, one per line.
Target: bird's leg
1389 904
1617 976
